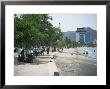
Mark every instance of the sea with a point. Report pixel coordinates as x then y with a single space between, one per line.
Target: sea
92 52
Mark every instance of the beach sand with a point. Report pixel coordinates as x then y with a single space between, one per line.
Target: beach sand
75 65
69 63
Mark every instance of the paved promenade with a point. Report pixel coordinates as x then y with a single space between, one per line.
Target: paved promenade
42 66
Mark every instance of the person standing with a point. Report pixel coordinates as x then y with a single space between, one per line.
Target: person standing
52 50
62 49
48 50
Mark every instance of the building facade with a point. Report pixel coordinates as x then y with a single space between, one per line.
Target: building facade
86 35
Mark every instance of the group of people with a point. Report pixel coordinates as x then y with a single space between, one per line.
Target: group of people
41 50
27 55
60 50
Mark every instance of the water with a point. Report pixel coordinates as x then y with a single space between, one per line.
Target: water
92 52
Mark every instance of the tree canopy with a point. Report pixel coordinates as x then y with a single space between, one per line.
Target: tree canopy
32 30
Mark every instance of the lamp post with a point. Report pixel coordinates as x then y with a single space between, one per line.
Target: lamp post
59 24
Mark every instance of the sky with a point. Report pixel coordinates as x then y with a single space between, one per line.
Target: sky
70 22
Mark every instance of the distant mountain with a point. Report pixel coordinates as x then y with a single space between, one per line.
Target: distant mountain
70 35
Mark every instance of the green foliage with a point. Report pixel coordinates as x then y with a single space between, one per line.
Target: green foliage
68 42
32 30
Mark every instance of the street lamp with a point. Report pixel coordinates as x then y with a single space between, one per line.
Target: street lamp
59 24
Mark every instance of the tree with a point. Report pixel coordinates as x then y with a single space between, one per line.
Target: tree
35 29
24 34
55 34
68 42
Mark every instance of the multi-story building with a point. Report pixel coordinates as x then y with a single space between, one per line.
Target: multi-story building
86 35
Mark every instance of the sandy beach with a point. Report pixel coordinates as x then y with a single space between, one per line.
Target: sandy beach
68 62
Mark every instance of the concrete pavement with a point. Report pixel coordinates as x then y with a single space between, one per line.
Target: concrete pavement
42 66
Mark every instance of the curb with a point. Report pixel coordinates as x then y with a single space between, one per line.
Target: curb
53 70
